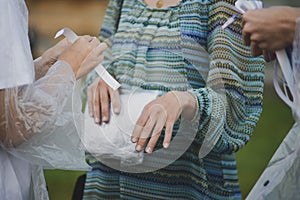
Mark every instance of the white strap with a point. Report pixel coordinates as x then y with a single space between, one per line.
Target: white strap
286 69
288 74
278 89
101 71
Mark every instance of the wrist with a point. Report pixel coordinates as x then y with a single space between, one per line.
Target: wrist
187 102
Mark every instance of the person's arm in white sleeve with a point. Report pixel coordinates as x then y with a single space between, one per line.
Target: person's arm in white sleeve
34 108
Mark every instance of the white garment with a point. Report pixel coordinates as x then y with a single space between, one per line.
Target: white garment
15 177
281 178
15 55
39 130
49 111
16 69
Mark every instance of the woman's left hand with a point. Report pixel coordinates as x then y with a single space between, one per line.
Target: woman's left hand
162 112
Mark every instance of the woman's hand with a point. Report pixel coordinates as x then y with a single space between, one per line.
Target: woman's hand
160 113
99 97
92 60
50 56
268 30
83 55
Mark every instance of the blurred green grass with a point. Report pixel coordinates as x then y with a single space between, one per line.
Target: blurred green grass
273 125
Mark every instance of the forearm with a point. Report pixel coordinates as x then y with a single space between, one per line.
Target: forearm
231 102
34 108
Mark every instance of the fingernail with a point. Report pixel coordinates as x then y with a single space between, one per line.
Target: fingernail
166 145
138 148
97 120
104 119
134 139
117 110
149 150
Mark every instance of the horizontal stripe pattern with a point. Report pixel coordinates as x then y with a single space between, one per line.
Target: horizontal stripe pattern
183 48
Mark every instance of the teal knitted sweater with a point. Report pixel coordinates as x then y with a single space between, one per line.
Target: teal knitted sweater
168 49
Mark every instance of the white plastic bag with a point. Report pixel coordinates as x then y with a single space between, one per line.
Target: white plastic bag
113 140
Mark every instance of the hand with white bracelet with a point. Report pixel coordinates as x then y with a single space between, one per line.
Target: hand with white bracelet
162 112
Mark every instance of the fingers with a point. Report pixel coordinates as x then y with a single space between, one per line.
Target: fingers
138 128
145 134
101 48
98 101
246 30
266 56
77 52
255 50
63 43
159 125
115 100
87 38
96 107
168 134
250 36
269 56
90 97
94 42
246 37
104 102
150 125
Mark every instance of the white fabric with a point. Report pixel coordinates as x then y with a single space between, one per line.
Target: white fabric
113 140
37 128
16 60
50 138
15 177
46 135
281 178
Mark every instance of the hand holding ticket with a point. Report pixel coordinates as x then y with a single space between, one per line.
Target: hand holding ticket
101 71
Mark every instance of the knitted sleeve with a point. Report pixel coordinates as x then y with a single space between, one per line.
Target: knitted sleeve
231 103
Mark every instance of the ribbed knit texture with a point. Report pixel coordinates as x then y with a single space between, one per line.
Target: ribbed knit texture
161 53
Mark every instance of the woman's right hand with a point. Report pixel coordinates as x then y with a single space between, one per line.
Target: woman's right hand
84 55
99 98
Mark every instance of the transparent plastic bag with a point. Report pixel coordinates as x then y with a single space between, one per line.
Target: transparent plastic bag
113 140
40 121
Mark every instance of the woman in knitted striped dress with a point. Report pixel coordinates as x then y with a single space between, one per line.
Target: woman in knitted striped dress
226 104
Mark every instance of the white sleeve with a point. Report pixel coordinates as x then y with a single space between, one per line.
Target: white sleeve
16 64
39 120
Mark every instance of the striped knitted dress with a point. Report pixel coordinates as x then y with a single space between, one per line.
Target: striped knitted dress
150 45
